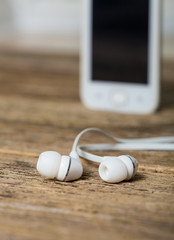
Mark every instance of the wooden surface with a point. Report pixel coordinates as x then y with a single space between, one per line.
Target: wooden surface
40 110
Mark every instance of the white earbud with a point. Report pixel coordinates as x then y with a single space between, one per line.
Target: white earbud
65 168
117 169
112 169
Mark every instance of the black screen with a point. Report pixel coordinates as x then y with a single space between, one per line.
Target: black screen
119 40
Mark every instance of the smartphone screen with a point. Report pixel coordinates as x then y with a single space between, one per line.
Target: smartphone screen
119 41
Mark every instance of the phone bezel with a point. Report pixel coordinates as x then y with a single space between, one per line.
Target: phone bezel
142 98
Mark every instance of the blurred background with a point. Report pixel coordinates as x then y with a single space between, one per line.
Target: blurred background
40 25
54 26
44 36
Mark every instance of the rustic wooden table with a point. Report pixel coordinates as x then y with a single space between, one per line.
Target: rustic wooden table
40 110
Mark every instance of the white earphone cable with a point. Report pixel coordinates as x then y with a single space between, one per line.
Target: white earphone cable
155 143
89 130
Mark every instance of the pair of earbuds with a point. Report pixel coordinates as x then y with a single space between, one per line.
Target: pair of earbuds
111 169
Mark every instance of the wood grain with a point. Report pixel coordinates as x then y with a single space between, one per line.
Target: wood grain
40 110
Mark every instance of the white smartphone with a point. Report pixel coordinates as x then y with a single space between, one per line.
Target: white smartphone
120 57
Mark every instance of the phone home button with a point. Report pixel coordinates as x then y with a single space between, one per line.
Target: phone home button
118 98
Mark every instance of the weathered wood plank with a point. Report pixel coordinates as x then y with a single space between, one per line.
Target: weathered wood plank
42 111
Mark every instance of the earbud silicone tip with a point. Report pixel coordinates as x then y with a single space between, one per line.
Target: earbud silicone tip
112 170
48 164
